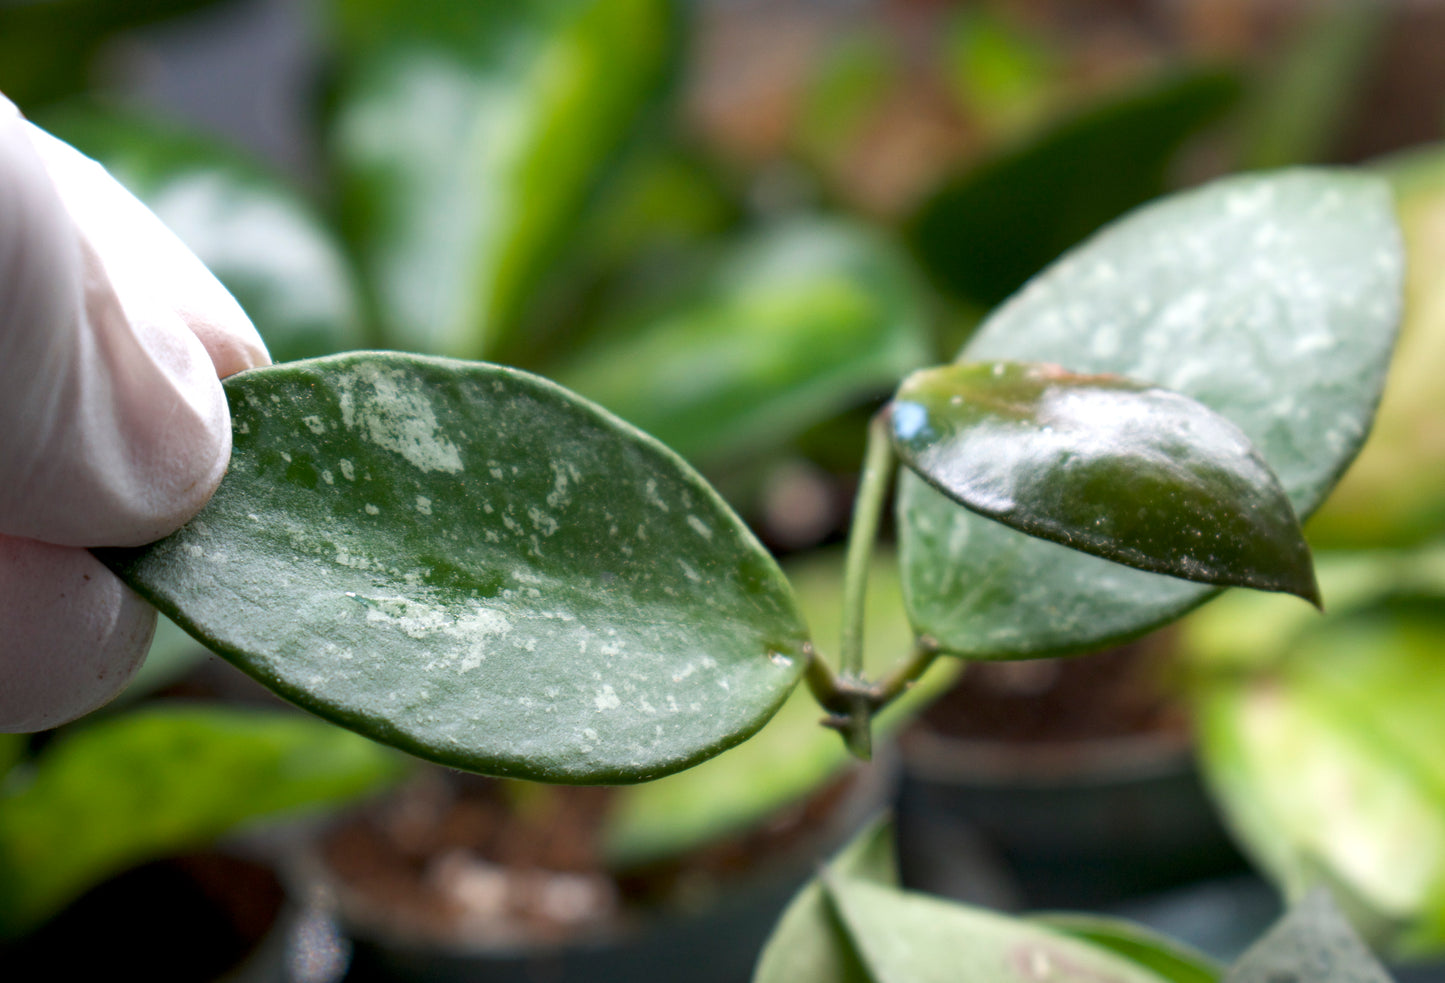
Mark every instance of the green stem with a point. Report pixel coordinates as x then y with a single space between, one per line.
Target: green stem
903 675
867 509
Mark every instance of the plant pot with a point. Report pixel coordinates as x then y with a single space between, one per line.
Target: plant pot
463 916
204 916
1081 790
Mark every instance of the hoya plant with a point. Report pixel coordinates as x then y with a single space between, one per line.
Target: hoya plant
477 566
482 566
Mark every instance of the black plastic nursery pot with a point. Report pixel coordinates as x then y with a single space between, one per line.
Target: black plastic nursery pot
704 917
202 917
1067 784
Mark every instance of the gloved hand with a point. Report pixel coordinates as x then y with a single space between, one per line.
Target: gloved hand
114 430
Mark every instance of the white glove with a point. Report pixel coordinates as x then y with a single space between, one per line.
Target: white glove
114 430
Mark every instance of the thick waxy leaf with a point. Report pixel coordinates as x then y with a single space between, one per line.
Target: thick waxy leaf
468 137
1172 960
983 235
255 234
1270 299
792 756
1135 474
149 783
793 326
1328 766
479 567
810 944
904 937
1394 495
1312 943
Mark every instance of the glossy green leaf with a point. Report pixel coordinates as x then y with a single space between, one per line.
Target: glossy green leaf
1172 960
1327 765
1394 495
983 235
793 326
468 137
792 756
475 565
809 943
1270 299
134 787
1138 475
260 238
1313 942
904 937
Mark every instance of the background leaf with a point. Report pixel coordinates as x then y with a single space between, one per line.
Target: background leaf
983 235
258 236
1311 942
809 943
474 565
1111 467
792 326
1326 763
468 137
46 48
135 787
904 937
1270 299
1172 960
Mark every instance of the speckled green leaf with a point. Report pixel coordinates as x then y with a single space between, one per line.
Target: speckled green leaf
1136 474
1270 299
793 325
468 136
1313 942
479 567
1175 961
905 937
134 787
258 236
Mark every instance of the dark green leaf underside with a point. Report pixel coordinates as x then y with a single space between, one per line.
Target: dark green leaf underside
1138 475
1270 299
477 566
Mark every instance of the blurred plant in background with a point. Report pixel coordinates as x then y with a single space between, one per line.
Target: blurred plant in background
737 225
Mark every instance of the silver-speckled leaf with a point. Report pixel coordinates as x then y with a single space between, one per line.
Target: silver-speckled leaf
477 566
1271 299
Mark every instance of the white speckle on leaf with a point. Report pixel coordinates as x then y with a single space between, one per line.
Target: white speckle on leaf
328 477
372 509
607 699
314 424
700 527
347 471
423 505
689 572
396 417
649 491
